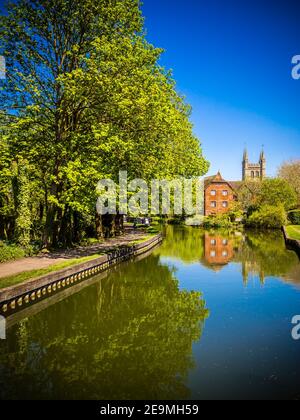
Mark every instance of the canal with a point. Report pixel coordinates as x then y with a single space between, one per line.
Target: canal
205 316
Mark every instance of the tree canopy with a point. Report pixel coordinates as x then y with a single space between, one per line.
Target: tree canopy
290 172
84 98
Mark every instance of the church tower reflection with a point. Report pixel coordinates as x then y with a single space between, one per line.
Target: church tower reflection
252 269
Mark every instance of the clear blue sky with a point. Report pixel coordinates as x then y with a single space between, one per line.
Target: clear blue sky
232 61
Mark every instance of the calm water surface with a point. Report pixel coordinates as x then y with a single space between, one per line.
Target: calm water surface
205 316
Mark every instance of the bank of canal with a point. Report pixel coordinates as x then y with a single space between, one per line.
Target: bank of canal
205 315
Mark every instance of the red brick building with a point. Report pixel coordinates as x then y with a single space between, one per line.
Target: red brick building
219 194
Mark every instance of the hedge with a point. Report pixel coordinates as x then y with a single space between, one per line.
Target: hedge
268 217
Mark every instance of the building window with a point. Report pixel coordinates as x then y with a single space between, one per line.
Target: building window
252 174
257 174
213 254
225 193
225 204
213 193
224 254
213 204
213 242
225 242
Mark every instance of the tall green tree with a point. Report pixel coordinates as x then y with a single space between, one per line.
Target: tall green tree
87 98
277 192
290 172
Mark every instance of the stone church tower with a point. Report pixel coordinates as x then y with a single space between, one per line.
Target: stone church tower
254 171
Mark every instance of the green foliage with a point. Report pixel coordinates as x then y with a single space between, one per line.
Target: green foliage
248 194
290 171
236 213
277 192
10 252
265 254
268 217
135 324
294 217
23 220
182 243
92 100
197 220
153 230
252 209
221 221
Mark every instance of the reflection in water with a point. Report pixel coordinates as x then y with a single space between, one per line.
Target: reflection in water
218 250
128 336
265 254
136 333
259 253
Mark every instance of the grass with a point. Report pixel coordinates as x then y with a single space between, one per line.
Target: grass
30 275
293 232
140 241
10 252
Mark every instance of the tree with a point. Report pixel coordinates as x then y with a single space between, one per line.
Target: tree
86 98
290 172
23 219
268 217
275 192
248 194
136 324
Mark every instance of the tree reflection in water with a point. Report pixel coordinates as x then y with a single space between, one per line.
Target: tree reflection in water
131 334
128 336
262 254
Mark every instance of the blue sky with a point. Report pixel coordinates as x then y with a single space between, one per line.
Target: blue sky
232 61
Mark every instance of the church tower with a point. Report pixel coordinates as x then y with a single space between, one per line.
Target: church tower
263 164
245 164
254 171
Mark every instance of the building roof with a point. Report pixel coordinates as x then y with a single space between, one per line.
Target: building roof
215 179
236 185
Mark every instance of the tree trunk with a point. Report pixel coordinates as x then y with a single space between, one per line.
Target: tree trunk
76 228
99 226
119 224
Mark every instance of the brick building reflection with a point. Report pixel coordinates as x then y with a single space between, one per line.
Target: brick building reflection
218 251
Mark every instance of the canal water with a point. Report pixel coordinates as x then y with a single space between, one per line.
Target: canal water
205 316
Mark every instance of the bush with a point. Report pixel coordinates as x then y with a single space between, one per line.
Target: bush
294 217
10 252
277 192
252 209
268 217
156 221
153 230
176 221
217 221
89 241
